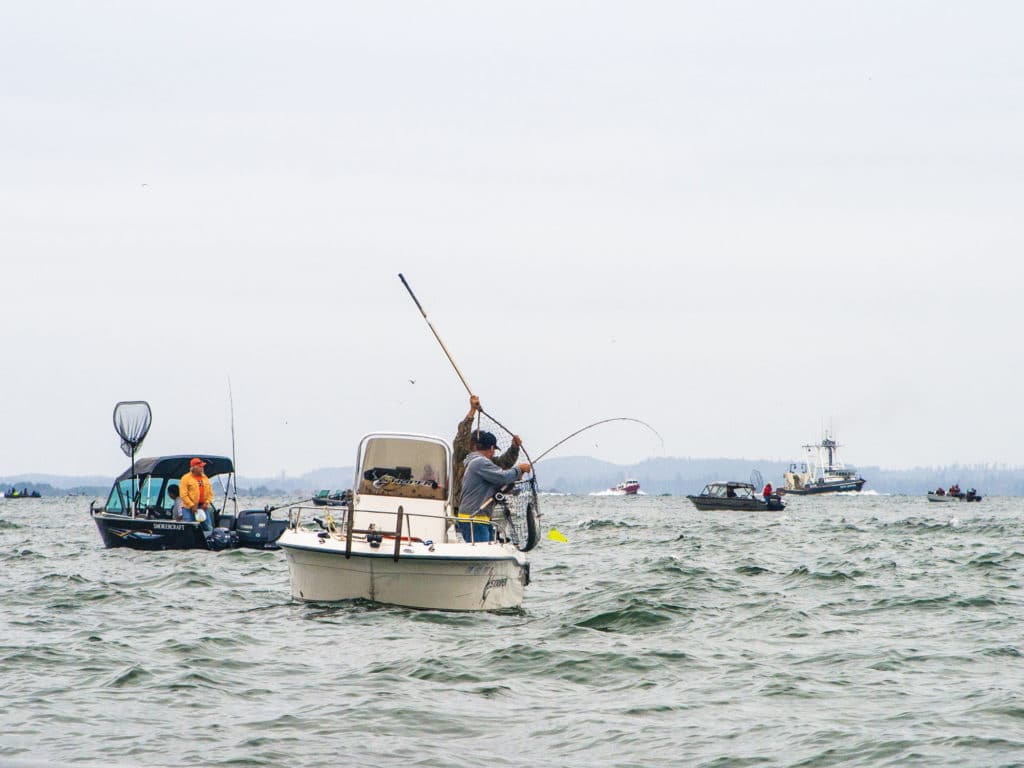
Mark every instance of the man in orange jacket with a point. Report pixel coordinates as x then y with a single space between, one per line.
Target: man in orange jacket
197 494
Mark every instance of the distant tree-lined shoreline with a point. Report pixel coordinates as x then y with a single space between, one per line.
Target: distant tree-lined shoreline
584 474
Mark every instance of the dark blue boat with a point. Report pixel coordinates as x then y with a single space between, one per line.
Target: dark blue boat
137 513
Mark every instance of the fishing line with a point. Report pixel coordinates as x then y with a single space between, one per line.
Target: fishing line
598 423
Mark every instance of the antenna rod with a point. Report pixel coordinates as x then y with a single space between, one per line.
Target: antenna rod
234 469
436 336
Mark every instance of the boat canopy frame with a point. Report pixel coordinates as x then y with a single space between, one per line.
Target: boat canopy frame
727 485
178 466
164 469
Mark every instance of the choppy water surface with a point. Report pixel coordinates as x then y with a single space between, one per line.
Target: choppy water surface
845 631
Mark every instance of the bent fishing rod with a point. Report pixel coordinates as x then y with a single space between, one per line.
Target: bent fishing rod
598 423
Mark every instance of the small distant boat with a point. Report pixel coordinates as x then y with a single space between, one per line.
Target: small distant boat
326 498
627 487
734 495
954 495
14 493
822 471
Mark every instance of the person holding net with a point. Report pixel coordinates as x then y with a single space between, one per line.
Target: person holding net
483 478
464 444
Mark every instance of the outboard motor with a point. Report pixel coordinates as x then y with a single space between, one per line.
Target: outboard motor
255 528
222 538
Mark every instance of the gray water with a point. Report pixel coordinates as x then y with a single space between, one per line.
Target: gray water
845 631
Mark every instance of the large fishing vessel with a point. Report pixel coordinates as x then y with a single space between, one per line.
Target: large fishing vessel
397 542
822 471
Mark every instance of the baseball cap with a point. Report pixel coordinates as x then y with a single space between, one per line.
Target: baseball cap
484 440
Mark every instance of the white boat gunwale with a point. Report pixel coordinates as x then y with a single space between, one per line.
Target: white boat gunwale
338 549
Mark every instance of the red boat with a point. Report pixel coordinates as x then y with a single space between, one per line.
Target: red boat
628 487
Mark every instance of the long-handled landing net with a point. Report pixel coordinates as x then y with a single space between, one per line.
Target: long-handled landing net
132 419
515 510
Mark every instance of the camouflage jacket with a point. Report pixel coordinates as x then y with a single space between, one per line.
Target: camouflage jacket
461 449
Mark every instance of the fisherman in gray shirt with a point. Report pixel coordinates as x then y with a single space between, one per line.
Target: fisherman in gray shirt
483 477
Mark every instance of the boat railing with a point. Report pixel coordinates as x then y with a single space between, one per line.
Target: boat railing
402 531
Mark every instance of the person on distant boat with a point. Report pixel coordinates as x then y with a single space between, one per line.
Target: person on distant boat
730 492
176 504
940 492
197 494
463 445
481 480
767 492
429 476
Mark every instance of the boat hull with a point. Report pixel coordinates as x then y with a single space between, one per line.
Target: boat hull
143 533
253 529
828 487
952 497
454 583
711 503
626 490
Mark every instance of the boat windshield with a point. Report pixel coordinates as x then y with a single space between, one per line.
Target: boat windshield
729 490
404 467
145 489
151 493
121 495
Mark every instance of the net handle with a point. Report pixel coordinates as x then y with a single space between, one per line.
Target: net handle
436 334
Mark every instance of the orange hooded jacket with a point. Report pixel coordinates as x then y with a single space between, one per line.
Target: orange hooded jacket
189 488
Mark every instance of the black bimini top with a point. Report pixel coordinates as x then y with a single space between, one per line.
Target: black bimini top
178 466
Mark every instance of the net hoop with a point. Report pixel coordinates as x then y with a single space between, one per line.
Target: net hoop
132 420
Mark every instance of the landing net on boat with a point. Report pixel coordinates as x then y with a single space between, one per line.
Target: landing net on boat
515 509
132 419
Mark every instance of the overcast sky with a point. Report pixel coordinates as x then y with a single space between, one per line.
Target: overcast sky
738 221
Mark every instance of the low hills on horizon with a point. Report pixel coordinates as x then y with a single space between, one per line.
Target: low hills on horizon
584 474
